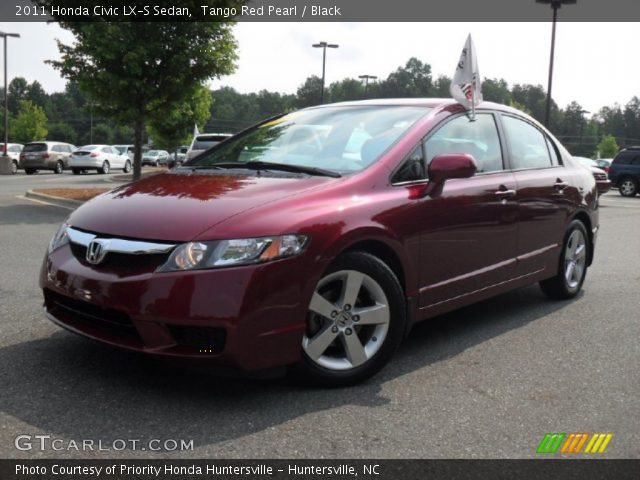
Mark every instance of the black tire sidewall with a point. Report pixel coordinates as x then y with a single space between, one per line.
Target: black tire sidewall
635 187
308 370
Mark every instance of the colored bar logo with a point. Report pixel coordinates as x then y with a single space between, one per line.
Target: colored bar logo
574 442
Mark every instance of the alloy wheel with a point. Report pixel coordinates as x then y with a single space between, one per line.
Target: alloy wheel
575 258
348 321
628 188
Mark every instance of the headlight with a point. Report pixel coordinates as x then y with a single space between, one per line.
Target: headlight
60 238
228 253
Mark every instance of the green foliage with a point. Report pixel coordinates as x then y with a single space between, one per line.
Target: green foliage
30 124
608 146
171 130
496 90
347 89
138 71
62 132
309 92
412 80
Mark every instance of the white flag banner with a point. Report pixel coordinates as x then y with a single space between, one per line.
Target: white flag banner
466 86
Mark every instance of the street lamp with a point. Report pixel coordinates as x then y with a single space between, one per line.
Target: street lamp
555 5
582 113
6 92
324 46
366 79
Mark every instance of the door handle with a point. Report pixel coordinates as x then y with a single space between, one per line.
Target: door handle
505 193
560 185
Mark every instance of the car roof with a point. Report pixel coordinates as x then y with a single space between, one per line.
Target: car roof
49 142
420 102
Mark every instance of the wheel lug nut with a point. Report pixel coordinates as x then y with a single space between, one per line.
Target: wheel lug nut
334 329
348 331
334 314
347 307
356 318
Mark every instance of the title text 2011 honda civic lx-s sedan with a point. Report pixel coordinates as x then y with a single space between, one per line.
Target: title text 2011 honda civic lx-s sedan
316 239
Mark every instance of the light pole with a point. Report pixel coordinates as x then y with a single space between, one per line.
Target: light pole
555 5
324 46
366 79
582 119
4 35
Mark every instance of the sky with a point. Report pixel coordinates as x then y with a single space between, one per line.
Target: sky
592 62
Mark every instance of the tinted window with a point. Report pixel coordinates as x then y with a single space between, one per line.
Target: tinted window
528 144
478 138
413 168
622 159
636 161
35 147
106 149
56 148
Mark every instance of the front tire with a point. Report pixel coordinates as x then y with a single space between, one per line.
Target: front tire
59 167
14 167
355 323
628 187
127 167
105 168
572 269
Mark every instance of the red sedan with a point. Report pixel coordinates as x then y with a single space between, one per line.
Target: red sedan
317 239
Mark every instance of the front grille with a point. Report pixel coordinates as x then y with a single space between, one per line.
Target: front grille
600 176
201 338
122 261
104 319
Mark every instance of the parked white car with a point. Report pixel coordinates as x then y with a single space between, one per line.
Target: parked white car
13 152
101 158
127 150
203 142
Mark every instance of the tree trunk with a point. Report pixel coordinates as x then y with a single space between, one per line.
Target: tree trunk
137 149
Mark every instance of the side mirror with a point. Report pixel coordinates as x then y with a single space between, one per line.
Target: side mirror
451 165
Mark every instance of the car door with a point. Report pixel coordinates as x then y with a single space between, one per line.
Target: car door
469 232
543 193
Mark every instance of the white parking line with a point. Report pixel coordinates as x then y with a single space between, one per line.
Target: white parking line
22 197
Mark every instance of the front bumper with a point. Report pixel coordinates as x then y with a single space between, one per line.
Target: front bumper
249 317
603 186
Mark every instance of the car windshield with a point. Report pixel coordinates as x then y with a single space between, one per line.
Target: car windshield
341 138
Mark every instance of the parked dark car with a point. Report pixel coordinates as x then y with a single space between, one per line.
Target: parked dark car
624 171
284 246
602 181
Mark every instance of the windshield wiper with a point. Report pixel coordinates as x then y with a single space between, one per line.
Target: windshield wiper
258 165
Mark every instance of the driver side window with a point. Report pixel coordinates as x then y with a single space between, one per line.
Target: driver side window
478 138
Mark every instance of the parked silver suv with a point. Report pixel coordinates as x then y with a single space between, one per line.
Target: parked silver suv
46 156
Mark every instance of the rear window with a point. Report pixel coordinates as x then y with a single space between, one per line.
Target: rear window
35 147
627 158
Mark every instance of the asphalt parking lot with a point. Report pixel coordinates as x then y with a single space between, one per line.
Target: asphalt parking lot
487 381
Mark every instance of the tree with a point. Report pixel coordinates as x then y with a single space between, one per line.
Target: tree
347 89
442 87
412 80
170 131
30 124
608 147
135 71
496 90
309 92
63 132
17 92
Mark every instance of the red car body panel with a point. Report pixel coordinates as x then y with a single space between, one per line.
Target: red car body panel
449 248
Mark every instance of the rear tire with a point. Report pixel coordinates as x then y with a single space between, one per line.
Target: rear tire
355 323
572 268
58 168
14 167
127 167
105 168
628 187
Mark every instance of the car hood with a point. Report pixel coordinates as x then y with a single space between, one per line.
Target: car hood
178 206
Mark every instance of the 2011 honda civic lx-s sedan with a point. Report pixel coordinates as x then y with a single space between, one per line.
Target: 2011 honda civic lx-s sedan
317 238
